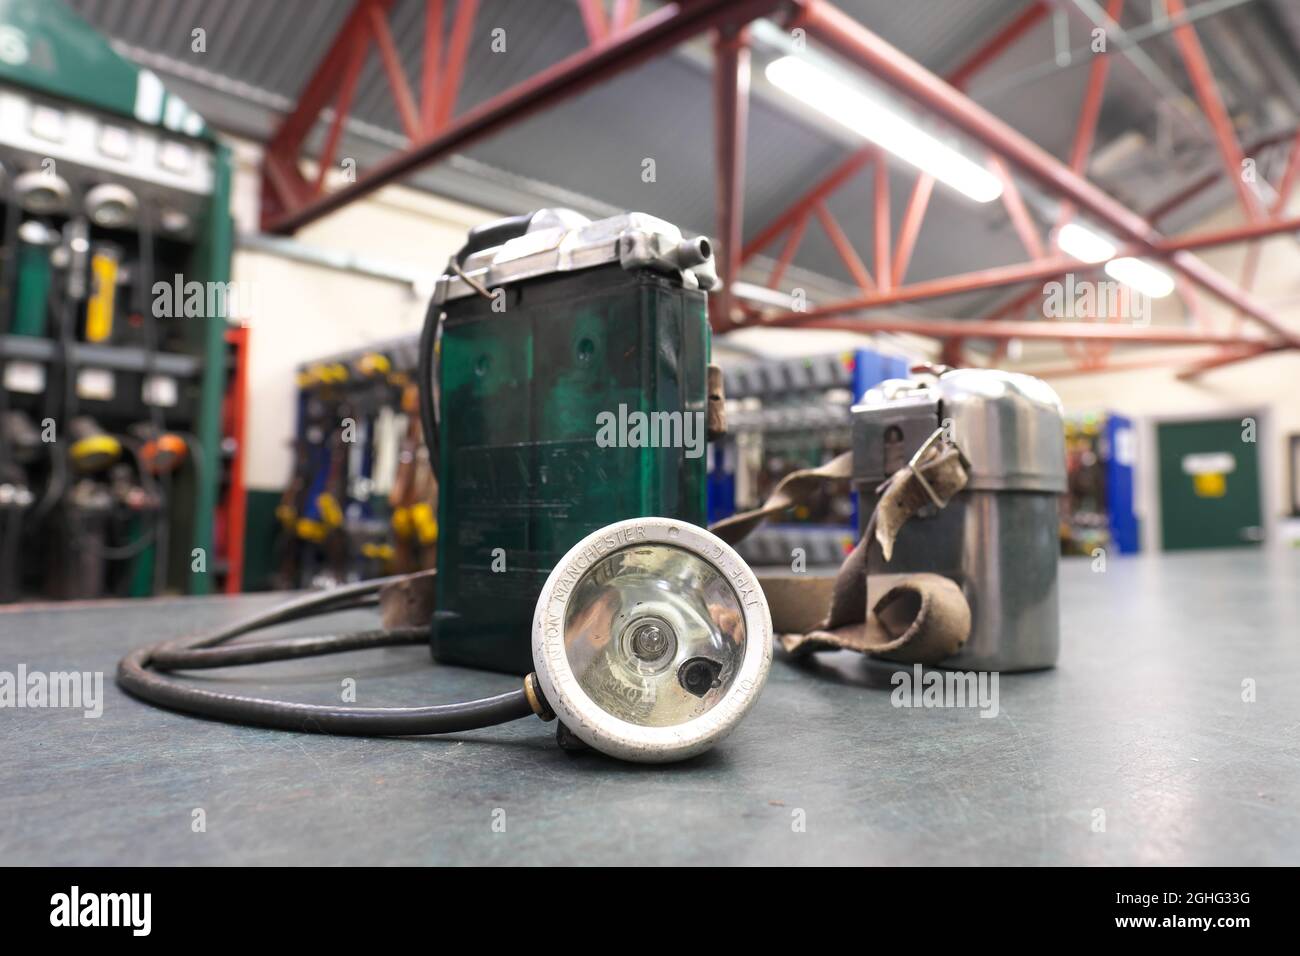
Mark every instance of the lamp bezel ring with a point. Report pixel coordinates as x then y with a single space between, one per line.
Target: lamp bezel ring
595 726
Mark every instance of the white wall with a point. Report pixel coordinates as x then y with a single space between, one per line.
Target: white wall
304 312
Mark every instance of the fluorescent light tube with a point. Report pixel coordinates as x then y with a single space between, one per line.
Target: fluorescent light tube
1142 276
890 131
1082 243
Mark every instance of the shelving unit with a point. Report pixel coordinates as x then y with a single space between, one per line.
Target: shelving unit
361 500
783 415
109 182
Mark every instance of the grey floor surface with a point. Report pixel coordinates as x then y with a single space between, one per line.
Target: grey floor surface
1138 749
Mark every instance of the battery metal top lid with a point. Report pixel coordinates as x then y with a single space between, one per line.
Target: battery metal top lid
561 240
1009 425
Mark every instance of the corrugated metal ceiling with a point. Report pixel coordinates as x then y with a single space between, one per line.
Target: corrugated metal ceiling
594 145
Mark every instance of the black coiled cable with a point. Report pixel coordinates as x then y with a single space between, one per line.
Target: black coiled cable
143 674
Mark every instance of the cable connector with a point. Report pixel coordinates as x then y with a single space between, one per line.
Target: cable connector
536 700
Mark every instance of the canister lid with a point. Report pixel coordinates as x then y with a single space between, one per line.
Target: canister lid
1008 425
561 240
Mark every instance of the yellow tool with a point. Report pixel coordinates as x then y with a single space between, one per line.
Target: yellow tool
92 449
99 308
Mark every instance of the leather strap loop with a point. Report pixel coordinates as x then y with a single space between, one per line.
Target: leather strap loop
919 618
795 488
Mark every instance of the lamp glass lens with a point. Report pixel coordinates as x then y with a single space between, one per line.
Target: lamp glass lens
654 634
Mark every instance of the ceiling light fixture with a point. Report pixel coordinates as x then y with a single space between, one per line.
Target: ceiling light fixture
1140 275
1083 243
889 130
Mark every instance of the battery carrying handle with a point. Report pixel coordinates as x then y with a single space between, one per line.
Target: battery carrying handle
918 618
494 233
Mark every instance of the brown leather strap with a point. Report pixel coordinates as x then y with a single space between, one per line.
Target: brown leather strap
795 488
932 481
918 618
409 600
921 618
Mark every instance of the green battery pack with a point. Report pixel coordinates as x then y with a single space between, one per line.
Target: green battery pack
572 393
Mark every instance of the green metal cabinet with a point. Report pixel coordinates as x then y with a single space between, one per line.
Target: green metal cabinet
1209 484
53 58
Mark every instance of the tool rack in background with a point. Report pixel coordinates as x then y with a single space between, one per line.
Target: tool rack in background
362 500
114 285
786 414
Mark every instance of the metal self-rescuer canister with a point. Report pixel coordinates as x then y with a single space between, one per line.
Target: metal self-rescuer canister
571 394
999 538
